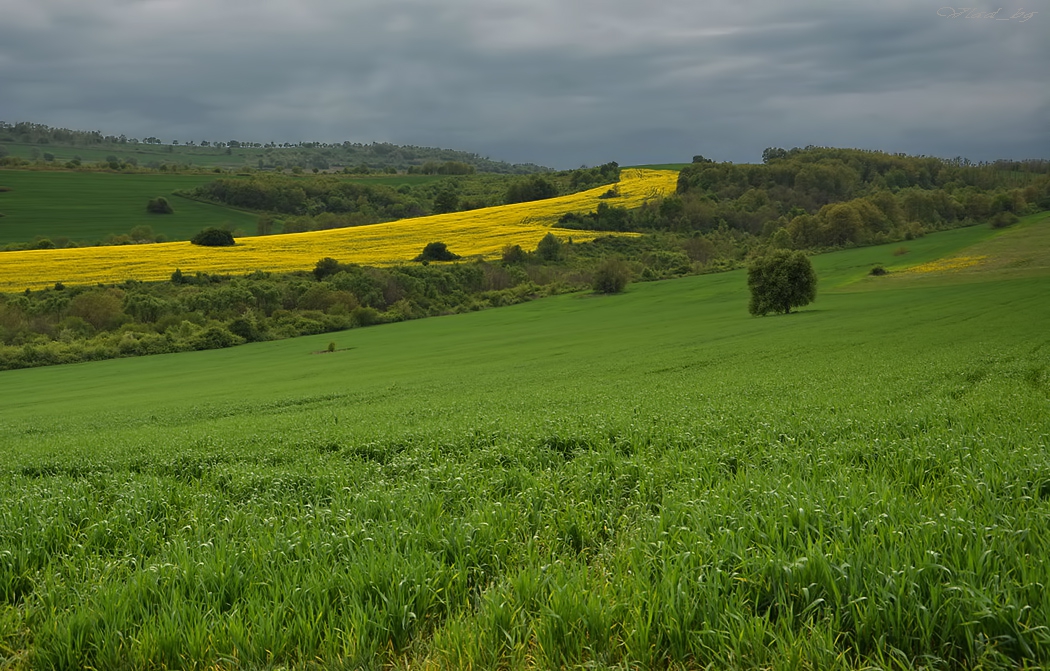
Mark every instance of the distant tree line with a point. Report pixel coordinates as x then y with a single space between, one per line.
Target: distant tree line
818 197
446 168
355 156
287 195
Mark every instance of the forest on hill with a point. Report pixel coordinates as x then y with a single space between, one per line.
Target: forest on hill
820 197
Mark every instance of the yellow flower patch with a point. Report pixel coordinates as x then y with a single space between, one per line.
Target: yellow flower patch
483 233
947 265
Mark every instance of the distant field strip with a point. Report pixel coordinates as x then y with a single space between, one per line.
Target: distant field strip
89 206
980 254
479 232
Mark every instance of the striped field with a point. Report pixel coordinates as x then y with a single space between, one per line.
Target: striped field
483 232
90 206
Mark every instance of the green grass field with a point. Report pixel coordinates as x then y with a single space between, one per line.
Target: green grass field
648 480
207 157
88 206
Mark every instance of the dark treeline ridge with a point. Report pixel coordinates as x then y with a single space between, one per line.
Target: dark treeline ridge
292 204
200 311
822 197
360 157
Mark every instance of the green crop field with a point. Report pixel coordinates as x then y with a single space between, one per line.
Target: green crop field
647 480
143 153
89 206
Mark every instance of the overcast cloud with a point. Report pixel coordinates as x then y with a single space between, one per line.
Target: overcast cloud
555 82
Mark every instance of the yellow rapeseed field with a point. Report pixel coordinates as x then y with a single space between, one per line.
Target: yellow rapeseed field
482 232
945 265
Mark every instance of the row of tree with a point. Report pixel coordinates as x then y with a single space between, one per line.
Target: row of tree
817 197
320 155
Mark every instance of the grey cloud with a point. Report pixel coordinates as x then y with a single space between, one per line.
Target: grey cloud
546 81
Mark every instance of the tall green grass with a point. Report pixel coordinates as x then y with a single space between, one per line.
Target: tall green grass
647 480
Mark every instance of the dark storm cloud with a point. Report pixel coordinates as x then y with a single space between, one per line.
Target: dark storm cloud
548 81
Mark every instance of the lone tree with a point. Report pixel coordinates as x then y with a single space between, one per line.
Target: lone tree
437 251
779 281
159 206
213 237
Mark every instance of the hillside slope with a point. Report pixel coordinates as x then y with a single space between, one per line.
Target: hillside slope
483 232
649 479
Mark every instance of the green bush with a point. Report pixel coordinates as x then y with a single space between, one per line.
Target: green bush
246 328
364 316
159 206
514 254
611 277
215 337
437 251
213 237
1004 219
327 267
549 248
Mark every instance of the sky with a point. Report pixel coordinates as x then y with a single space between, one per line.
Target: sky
560 83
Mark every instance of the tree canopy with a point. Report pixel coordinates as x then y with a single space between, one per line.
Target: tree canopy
437 251
159 205
779 281
549 248
536 187
213 237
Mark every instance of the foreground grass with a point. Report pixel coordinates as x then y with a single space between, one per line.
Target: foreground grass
654 479
89 206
